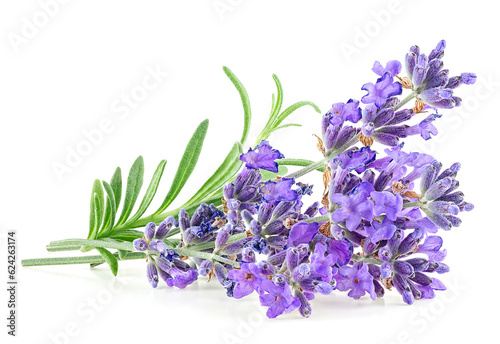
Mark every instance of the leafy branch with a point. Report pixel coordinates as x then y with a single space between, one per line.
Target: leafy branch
108 230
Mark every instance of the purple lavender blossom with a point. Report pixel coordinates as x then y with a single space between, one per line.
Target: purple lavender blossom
302 233
322 263
386 203
381 90
263 157
279 299
349 111
181 279
247 279
280 190
381 231
354 207
393 67
431 81
355 159
341 250
357 280
432 248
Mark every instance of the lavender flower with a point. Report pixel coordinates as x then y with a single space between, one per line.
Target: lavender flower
384 88
430 81
280 190
263 157
349 111
248 279
355 207
357 280
278 298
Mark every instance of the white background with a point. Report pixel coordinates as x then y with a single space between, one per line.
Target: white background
67 75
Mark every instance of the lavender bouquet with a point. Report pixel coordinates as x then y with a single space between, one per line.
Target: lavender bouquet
374 226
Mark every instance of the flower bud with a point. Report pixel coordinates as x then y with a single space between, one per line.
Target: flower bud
419 264
236 247
248 193
228 191
164 228
205 267
292 258
281 209
255 227
149 231
184 223
266 268
403 268
386 270
421 278
233 204
305 307
140 245
152 274
280 280
248 255
384 254
221 238
301 272
277 258
410 242
438 189
324 288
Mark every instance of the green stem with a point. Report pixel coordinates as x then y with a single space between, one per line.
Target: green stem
78 260
412 204
406 100
321 218
322 162
60 248
359 258
211 244
205 255
298 162
126 246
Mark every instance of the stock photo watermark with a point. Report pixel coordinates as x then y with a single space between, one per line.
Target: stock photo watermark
87 311
224 7
364 34
121 107
245 328
11 285
484 90
427 313
31 25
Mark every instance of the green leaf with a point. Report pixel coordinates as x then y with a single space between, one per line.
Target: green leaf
279 99
266 175
107 215
111 205
109 258
298 162
150 192
126 235
116 185
134 185
275 109
229 167
122 254
186 165
286 126
95 217
247 111
289 110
